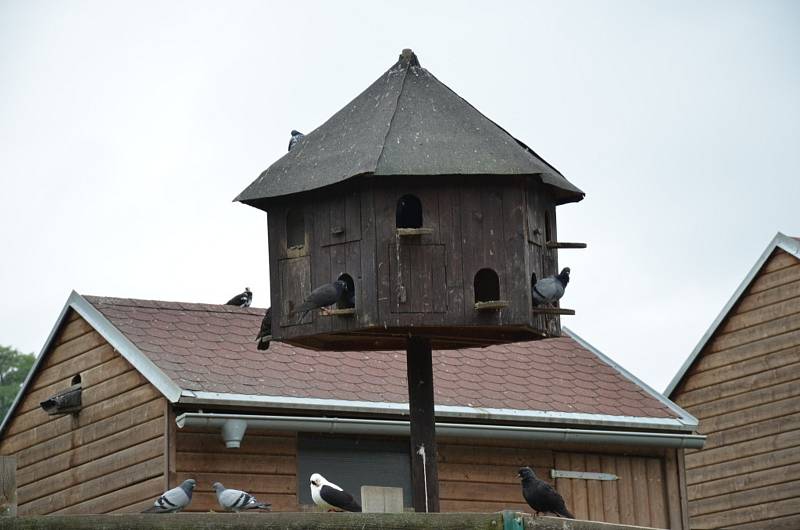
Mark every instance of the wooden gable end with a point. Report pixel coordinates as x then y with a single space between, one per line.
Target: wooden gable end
744 387
109 456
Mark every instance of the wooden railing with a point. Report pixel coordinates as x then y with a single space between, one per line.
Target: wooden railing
299 521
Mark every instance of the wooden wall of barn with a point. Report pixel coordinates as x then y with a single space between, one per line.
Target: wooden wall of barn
745 390
477 476
265 465
110 456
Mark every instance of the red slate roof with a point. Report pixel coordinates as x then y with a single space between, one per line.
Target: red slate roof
212 348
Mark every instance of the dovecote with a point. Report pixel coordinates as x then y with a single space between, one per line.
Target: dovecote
438 218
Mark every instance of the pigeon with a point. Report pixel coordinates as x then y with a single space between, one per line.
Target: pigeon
331 497
242 299
265 331
550 289
175 499
326 295
541 496
296 137
237 500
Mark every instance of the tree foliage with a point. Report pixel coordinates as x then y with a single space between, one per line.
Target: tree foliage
14 368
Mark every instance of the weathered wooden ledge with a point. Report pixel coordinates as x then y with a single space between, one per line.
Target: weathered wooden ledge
305 520
552 310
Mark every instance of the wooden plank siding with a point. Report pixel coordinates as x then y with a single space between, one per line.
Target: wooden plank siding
477 476
109 456
744 388
265 465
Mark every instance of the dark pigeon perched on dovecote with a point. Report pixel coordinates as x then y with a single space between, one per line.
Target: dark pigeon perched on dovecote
265 331
550 289
324 296
296 137
242 299
541 496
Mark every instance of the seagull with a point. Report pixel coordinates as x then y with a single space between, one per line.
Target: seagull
242 299
550 289
296 137
326 295
265 331
331 497
237 500
175 499
541 496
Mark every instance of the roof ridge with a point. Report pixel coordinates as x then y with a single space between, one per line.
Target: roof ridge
163 304
404 66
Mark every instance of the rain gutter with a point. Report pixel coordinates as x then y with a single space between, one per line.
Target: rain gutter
234 426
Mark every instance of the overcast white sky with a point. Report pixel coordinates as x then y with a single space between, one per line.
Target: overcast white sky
126 129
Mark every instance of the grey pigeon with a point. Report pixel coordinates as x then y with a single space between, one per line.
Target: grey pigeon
242 299
265 331
175 499
541 496
326 295
237 500
331 497
550 289
296 137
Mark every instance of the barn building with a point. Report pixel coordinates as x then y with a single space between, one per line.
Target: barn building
742 381
167 391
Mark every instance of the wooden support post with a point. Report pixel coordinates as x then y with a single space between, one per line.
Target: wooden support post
8 485
424 471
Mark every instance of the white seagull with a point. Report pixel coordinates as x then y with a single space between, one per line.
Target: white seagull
331 497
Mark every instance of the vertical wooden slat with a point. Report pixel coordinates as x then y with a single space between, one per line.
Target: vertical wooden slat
8 486
450 222
627 514
656 493
641 502
170 454
673 489
580 500
563 485
368 313
682 483
514 243
594 490
610 490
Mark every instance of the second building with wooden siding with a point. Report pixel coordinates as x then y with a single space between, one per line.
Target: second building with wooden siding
165 385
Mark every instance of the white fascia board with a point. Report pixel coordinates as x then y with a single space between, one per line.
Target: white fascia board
115 338
126 348
442 411
24 387
788 244
685 417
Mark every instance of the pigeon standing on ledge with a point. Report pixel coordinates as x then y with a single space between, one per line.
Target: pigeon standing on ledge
237 500
326 295
329 496
265 331
541 496
175 499
550 289
296 137
241 299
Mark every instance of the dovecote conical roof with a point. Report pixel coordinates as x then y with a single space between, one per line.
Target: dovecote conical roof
405 123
